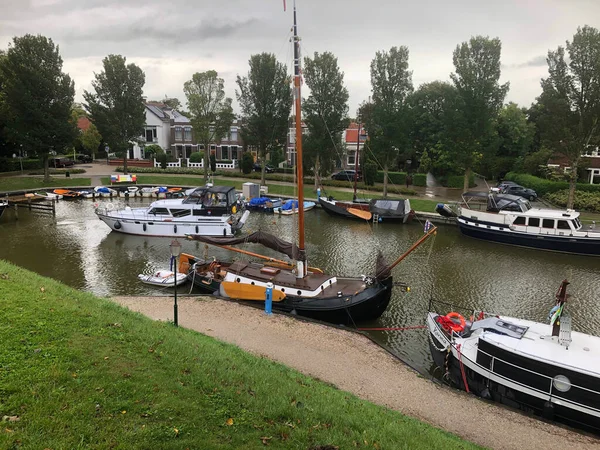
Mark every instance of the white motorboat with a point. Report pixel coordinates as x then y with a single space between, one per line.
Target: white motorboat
49 195
547 369
104 191
291 207
164 278
208 211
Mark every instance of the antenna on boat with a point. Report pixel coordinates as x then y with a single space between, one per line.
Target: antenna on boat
301 266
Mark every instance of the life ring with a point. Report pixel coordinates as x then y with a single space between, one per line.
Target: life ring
456 327
110 206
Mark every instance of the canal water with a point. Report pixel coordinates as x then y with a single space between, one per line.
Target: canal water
76 248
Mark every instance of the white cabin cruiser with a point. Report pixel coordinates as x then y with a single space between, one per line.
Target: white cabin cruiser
207 211
546 369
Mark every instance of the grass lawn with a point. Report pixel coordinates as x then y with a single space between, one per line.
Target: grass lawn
21 183
81 372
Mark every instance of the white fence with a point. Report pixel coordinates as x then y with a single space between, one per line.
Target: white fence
199 165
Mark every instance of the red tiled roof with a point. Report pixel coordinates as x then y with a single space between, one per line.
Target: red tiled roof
563 161
352 132
83 123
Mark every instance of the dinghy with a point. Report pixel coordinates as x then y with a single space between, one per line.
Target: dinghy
163 278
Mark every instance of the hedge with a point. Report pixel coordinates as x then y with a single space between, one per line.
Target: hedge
544 187
419 179
14 165
458 181
393 177
584 201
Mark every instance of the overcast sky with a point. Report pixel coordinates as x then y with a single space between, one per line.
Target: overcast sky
172 39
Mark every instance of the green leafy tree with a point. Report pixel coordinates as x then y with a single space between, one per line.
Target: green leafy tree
569 106
171 102
91 139
477 71
391 83
212 114
325 111
247 162
117 104
265 98
37 97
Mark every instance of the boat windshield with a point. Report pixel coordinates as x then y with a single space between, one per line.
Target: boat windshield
196 197
577 223
517 204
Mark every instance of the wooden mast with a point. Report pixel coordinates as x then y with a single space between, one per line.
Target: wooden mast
356 160
301 260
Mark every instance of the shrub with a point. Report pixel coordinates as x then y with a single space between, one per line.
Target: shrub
213 163
14 165
419 179
152 151
196 157
393 177
247 162
370 173
457 181
543 187
586 201
163 160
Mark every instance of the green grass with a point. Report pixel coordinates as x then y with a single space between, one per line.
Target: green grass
77 371
423 205
22 183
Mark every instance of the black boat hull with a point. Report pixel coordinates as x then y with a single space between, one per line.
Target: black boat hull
338 211
491 390
564 244
366 305
2 208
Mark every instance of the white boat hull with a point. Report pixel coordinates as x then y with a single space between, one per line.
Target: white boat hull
206 226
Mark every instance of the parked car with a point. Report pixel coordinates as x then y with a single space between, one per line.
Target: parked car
521 191
503 185
82 158
258 167
346 175
60 162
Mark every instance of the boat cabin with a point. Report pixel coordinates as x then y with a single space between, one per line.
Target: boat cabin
203 201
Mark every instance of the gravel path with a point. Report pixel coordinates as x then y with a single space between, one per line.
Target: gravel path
354 364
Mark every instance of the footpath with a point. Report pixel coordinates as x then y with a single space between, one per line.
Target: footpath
353 363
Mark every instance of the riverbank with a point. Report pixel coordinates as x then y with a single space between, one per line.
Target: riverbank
80 371
352 363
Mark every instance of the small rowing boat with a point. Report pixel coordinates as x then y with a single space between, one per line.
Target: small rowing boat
163 278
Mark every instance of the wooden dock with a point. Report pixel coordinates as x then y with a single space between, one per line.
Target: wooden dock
31 202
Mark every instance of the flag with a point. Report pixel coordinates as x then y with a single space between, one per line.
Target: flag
428 226
284 5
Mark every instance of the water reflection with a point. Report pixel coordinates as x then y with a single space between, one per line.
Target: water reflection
79 250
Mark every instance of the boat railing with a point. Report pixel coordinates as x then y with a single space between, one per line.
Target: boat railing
550 392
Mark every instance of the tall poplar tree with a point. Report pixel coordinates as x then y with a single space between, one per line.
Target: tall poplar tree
325 110
117 105
265 98
37 97
476 76
211 111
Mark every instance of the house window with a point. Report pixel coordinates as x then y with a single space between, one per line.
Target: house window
234 152
234 136
178 134
188 151
150 135
519 220
224 152
548 223
200 147
534 222
188 133
351 159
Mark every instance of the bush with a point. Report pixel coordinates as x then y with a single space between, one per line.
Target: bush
163 160
544 187
197 157
247 163
457 181
152 151
419 179
393 177
14 165
584 201
370 173
213 163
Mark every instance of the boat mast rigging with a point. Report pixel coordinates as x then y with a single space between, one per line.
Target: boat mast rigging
301 266
356 167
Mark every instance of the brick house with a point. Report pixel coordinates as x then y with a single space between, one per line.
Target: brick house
591 159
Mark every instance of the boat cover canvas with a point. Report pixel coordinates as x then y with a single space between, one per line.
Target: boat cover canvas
258 237
258 201
388 207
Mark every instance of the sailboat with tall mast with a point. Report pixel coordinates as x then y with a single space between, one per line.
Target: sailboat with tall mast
397 210
295 287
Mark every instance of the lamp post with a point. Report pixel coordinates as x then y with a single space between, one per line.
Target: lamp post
175 252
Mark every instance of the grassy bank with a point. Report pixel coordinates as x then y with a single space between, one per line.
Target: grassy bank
81 372
22 183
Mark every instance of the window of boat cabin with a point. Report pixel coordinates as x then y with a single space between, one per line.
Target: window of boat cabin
520 220
563 225
548 223
180 212
533 222
577 224
160 211
195 197
232 196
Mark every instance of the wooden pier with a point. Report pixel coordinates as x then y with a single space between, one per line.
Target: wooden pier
31 202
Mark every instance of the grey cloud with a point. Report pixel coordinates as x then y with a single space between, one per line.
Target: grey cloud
538 61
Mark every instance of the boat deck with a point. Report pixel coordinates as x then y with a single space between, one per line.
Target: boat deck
286 278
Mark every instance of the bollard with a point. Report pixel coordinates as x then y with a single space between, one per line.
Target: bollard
269 298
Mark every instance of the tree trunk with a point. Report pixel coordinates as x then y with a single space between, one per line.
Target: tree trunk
385 181
206 161
125 155
46 169
262 152
572 183
317 173
467 178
